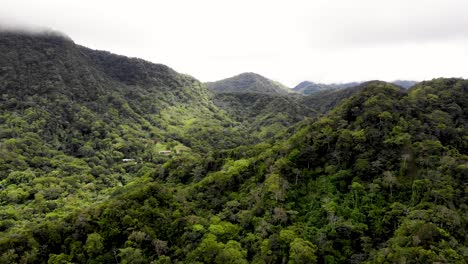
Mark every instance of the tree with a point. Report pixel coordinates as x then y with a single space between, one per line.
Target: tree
302 252
131 255
94 244
232 253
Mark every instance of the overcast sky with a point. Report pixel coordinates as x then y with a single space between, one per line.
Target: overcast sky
288 41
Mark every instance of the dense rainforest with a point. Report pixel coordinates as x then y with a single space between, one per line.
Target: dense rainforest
109 159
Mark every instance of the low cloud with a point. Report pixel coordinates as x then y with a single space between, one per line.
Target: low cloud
368 23
11 26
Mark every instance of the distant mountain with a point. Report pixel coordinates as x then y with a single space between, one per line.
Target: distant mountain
307 88
248 83
405 83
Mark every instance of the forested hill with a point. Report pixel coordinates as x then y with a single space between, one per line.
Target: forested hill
51 64
108 159
75 95
248 83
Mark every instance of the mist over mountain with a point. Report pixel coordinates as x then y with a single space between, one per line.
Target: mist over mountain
111 159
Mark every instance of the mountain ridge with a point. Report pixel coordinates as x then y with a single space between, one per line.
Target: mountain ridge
308 87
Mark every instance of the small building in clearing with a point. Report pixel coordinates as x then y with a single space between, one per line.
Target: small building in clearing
165 152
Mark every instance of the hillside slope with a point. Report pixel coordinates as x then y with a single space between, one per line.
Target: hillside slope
62 82
265 115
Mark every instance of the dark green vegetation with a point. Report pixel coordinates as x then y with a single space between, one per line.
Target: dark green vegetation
373 174
248 83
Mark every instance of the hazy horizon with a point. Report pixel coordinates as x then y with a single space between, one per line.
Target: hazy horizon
322 41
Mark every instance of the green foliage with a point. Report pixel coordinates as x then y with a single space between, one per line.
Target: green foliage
265 115
94 244
302 252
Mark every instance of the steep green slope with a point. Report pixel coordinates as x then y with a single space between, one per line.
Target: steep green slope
380 179
51 75
248 83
